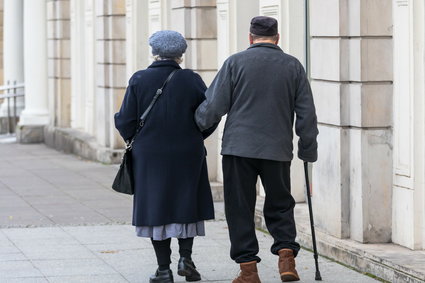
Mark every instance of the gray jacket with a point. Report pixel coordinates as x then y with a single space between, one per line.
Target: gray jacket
260 89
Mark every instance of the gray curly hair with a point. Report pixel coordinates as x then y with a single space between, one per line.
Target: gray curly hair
178 60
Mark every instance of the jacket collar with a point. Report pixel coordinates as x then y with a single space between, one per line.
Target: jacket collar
263 44
165 63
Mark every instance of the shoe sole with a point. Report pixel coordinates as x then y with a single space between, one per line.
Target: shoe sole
183 272
289 276
187 274
192 279
168 281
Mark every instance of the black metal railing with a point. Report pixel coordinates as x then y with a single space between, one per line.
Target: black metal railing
9 94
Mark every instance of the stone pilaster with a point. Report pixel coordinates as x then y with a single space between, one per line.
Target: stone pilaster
196 20
351 71
291 18
409 124
233 20
59 62
137 35
111 68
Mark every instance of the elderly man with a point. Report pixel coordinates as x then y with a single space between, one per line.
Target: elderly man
260 89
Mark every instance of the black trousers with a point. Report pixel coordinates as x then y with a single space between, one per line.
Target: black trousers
240 179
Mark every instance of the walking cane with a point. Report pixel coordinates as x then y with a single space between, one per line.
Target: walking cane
313 234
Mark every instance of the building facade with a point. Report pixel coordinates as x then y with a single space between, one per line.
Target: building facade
366 61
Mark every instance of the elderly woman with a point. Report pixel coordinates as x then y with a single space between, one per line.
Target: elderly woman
172 195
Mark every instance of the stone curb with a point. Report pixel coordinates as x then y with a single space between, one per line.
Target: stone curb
81 144
360 260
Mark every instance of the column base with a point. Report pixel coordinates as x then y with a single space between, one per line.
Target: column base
80 143
7 125
30 133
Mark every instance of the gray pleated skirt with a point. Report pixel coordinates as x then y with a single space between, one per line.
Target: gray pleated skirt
174 230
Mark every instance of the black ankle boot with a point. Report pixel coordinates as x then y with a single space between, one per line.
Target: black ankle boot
162 276
187 268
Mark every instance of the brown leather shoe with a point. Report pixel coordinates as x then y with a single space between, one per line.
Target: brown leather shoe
248 273
287 266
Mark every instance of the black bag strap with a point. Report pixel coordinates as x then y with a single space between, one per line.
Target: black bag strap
155 98
146 113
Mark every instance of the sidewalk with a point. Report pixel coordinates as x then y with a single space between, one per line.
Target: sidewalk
61 222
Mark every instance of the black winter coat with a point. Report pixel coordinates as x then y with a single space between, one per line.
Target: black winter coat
169 157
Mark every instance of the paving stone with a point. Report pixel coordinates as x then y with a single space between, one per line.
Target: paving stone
104 234
39 236
47 251
72 267
119 246
7 246
13 201
91 218
120 216
130 261
25 280
11 256
142 274
28 217
5 191
85 194
27 190
110 278
107 204
124 253
48 199
19 181
61 190
36 163
11 171
18 269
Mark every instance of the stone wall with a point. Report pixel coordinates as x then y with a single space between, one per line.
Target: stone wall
111 79
196 21
408 224
351 71
59 61
137 35
1 43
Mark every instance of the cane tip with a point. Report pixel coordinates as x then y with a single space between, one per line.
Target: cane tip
318 276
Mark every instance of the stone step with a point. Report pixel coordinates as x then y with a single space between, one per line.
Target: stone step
217 191
387 261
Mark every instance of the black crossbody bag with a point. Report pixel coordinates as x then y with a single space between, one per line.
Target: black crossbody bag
124 182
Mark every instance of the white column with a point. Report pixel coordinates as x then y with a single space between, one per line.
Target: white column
13 47
35 114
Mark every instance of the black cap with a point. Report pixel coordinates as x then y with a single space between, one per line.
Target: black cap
262 25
